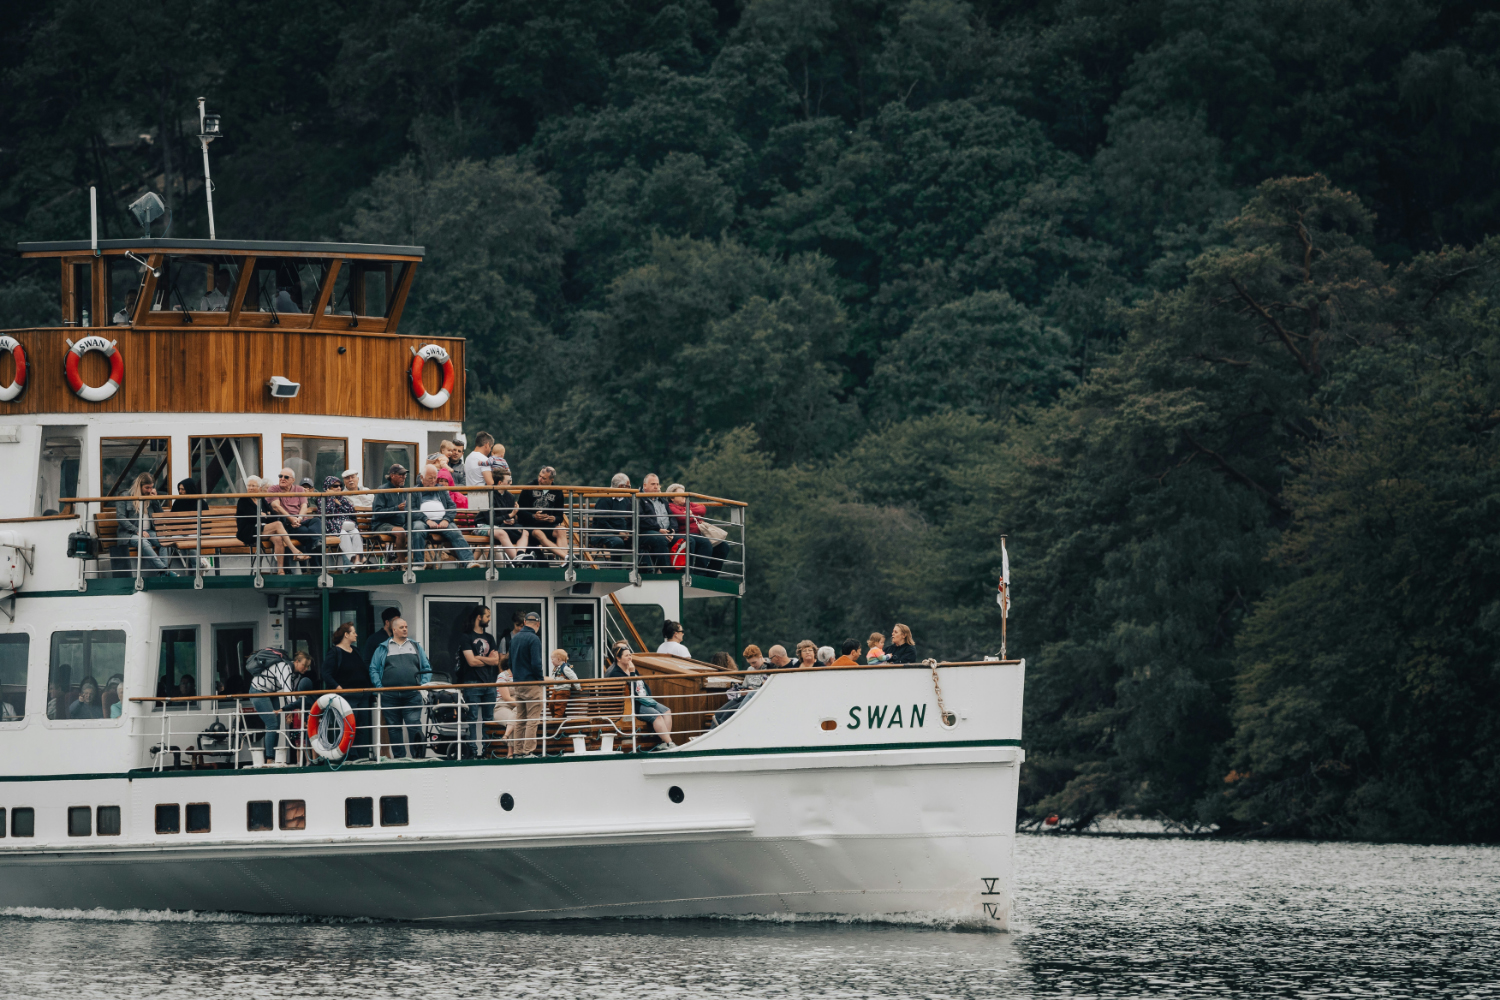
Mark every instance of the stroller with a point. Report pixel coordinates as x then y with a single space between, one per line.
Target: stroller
442 729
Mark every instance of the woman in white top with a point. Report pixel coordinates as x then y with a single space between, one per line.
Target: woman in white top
672 640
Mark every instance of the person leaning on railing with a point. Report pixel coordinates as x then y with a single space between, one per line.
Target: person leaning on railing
401 662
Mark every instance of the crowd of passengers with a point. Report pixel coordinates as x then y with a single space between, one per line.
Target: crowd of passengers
510 670
530 522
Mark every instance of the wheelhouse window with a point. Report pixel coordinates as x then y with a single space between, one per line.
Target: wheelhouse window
286 285
177 665
122 459
81 664
78 294
15 655
315 458
126 278
197 284
221 464
381 455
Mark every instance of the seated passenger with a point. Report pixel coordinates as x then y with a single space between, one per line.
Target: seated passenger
439 460
249 510
285 303
646 707
57 693
187 687
218 299
739 695
122 318
876 653
850 650
435 515
134 522
826 655
558 667
389 510
361 501
542 516
656 526
903 647
687 517
611 520
508 534
114 697
301 523
188 487
671 644
807 653
87 706
338 518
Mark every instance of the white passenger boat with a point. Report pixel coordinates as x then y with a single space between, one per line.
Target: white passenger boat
867 792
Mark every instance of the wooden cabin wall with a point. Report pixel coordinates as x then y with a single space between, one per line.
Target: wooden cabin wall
196 370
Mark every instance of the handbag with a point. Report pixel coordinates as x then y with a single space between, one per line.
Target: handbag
713 531
679 554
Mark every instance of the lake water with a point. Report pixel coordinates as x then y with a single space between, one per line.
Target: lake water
1097 917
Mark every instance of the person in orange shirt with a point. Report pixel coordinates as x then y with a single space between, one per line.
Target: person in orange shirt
851 654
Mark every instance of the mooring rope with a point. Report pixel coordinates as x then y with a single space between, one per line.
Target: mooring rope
948 718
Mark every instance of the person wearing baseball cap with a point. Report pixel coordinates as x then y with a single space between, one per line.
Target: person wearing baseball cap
527 669
388 512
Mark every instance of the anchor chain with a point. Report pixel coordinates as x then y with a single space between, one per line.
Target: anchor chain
949 719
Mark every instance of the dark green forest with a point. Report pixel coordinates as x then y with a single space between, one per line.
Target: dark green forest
1193 302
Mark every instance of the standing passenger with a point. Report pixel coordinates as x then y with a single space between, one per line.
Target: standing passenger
402 662
477 471
479 663
526 668
344 670
903 648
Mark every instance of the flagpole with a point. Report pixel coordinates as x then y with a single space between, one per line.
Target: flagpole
1004 595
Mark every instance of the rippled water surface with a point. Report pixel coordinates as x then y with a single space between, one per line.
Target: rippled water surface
1097 917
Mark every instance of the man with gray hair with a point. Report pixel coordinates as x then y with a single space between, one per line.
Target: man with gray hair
656 525
435 514
611 522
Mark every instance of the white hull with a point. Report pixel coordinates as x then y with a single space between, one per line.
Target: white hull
911 822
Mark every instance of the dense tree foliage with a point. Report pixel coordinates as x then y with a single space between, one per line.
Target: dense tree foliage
1193 302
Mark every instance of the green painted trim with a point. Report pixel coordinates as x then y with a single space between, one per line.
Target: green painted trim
502 762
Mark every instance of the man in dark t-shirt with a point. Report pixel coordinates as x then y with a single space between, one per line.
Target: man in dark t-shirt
542 513
479 663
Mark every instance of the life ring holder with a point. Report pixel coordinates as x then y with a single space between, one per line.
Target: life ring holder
11 393
76 351
431 352
317 733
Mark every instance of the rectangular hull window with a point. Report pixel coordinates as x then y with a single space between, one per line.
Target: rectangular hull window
23 822
168 819
80 821
177 667
381 455
84 666
15 652
2 824
198 817
258 815
220 465
123 459
393 810
314 458
293 814
359 812
108 822
60 470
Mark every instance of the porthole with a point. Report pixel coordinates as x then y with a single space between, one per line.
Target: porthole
507 802
199 817
293 814
393 810
359 812
829 725
675 794
23 822
80 821
259 815
108 824
169 818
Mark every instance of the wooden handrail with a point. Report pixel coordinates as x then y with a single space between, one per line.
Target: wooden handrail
563 681
513 488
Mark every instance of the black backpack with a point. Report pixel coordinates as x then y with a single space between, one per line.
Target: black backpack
262 660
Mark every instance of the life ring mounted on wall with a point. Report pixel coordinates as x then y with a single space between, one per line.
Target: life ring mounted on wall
317 733
11 393
94 393
432 352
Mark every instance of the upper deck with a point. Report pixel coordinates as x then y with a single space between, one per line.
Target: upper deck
202 326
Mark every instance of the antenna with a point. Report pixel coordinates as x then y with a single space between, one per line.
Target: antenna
208 131
94 219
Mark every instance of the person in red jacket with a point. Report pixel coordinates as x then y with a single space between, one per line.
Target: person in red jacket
687 518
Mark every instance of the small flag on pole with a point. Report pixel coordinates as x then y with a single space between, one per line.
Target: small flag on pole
1003 597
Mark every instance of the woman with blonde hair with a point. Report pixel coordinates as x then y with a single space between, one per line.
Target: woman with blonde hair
133 522
807 653
903 646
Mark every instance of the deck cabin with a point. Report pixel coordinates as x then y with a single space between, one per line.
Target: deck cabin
222 360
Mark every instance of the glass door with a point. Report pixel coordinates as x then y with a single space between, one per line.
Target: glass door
507 615
578 635
233 645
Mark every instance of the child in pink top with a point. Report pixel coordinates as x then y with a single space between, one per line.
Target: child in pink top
877 653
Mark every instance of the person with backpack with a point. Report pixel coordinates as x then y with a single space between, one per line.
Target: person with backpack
271 671
401 662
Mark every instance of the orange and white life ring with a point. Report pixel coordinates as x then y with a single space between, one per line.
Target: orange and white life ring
11 393
432 352
94 393
317 733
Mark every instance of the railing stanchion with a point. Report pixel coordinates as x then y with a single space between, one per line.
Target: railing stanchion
410 576
260 580
460 693
635 540
377 730
198 547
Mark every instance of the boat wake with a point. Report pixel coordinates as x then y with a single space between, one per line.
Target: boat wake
170 916
938 920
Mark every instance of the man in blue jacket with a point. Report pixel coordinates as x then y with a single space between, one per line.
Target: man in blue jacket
526 671
401 661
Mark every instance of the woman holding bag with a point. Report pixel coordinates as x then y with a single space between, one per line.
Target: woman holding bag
704 540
